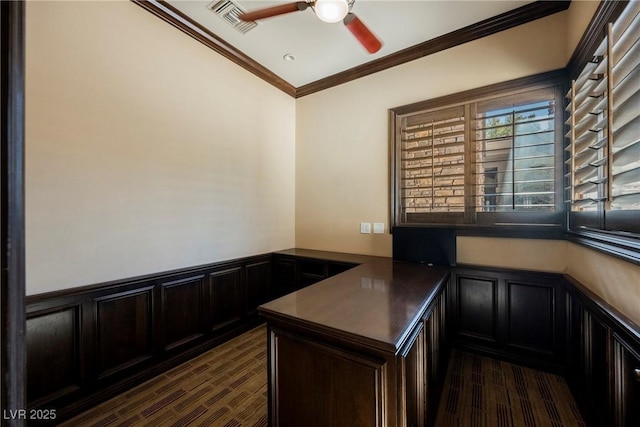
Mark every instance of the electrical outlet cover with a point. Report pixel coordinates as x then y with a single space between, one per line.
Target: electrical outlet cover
378 227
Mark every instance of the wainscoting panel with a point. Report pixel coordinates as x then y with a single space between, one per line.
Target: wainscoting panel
124 326
597 366
603 359
85 345
627 384
530 317
477 308
258 284
225 303
516 315
53 338
182 311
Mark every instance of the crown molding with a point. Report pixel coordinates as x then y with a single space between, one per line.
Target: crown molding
522 15
513 18
173 16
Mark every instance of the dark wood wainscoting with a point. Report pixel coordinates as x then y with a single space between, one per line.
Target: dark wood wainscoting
511 314
552 322
87 344
603 359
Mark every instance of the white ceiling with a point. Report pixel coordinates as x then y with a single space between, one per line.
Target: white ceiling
322 49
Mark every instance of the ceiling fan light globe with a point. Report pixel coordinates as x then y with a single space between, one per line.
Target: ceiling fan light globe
331 10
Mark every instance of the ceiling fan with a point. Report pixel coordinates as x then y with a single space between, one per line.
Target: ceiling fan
328 11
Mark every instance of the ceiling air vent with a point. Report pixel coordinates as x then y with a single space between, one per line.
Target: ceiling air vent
229 11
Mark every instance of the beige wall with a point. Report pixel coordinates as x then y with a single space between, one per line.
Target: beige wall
526 254
615 281
342 170
579 15
140 158
145 150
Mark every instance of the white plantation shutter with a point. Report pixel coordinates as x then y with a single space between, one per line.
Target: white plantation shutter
625 96
588 121
432 165
492 160
604 132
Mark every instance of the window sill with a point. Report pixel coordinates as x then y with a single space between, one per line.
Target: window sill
625 246
513 231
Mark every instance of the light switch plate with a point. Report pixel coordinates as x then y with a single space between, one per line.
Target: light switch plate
365 227
378 228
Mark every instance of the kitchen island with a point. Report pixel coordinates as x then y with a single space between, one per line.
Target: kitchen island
362 348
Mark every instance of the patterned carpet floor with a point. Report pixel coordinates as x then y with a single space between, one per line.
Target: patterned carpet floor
485 392
226 387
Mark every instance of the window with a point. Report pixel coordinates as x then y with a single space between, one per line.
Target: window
490 157
603 170
432 160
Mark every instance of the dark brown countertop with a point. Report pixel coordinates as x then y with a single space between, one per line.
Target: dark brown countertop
376 303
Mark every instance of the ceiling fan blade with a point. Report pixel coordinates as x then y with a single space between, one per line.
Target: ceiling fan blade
268 12
366 38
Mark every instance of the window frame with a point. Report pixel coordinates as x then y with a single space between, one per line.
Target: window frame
589 228
487 223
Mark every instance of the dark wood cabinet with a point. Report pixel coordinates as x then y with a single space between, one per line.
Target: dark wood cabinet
373 356
319 384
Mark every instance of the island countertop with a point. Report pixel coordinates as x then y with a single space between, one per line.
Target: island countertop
376 303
